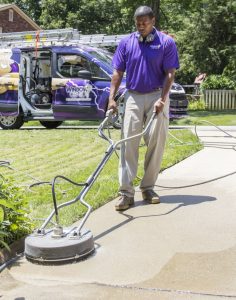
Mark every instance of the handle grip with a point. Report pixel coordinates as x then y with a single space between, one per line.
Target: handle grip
109 113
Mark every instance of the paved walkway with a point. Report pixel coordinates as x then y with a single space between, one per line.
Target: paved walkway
183 248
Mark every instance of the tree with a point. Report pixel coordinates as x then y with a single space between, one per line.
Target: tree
204 30
54 13
207 43
103 16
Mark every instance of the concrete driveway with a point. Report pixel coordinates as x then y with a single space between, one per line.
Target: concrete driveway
183 248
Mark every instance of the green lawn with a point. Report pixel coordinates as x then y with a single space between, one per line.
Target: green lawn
224 118
42 154
66 123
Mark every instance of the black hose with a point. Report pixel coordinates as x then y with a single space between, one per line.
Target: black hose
10 261
4 163
217 127
195 184
54 193
39 183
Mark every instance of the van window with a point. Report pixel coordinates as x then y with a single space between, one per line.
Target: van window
68 65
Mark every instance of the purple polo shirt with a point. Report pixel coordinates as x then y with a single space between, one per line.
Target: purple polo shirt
145 63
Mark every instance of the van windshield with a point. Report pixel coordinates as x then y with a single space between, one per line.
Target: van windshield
104 56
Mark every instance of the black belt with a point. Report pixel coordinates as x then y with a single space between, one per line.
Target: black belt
139 93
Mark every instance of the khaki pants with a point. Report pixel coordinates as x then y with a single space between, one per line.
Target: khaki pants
138 111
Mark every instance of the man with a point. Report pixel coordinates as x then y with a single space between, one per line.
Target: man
150 59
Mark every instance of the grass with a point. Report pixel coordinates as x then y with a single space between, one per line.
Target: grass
66 123
223 118
39 155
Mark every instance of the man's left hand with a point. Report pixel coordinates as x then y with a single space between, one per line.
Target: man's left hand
159 106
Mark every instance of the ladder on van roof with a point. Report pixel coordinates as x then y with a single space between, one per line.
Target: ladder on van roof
59 37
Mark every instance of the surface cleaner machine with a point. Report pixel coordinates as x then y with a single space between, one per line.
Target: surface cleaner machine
61 245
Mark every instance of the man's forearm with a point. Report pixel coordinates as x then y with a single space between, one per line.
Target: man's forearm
170 75
115 83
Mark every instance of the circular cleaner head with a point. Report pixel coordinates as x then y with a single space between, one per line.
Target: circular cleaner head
47 248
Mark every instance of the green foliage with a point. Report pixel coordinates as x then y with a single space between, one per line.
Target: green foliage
3 235
196 104
103 16
218 82
230 68
14 222
204 30
206 43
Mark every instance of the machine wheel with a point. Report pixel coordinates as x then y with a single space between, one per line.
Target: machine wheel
11 122
51 124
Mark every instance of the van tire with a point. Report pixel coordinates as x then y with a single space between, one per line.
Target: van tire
11 122
51 124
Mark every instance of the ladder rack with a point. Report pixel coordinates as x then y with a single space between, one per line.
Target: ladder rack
58 37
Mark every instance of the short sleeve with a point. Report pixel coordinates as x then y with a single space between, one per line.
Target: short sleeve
171 59
118 61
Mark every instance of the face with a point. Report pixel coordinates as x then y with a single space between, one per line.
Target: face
144 25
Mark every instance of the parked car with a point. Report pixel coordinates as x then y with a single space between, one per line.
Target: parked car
178 102
58 83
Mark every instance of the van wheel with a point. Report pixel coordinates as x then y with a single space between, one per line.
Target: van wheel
51 124
11 122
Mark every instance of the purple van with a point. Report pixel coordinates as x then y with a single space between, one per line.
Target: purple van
58 83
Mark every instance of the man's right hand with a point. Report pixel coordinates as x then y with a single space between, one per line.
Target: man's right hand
115 83
112 105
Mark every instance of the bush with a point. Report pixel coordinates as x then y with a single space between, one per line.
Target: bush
196 104
14 221
2 237
218 82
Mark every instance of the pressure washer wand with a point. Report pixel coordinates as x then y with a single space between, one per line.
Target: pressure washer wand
108 154
88 184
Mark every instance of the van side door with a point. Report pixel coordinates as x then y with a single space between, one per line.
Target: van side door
76 93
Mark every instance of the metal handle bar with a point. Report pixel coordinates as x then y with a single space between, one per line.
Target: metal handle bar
139 134
108 118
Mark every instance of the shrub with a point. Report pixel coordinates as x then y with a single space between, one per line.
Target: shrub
14 221
218 82
2 243
197 104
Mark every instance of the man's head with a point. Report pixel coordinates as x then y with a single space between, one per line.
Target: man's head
144 20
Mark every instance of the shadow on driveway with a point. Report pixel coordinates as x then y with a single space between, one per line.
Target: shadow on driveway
181 200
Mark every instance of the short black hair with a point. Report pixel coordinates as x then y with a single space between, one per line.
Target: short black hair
144 11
